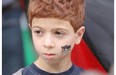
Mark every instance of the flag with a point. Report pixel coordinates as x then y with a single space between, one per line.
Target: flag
98 40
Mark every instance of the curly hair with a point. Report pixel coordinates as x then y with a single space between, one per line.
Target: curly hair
70 10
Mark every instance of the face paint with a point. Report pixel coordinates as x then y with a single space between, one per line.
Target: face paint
66 48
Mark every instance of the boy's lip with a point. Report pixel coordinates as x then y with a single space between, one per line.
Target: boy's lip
49 54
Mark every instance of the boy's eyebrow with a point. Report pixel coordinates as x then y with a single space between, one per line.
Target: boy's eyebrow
61 29
37 27
52 29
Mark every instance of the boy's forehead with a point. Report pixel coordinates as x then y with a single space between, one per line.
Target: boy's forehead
49 21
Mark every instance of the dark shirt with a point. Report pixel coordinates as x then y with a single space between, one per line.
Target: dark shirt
34 70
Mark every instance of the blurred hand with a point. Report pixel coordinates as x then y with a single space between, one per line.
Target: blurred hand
92 72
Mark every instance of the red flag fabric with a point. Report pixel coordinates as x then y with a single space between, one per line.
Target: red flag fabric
22 4
84 58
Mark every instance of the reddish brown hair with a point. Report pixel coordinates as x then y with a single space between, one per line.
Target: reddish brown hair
70 10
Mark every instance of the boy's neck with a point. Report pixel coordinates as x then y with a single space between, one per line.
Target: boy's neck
57 67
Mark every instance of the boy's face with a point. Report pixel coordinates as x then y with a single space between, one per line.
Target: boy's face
53 38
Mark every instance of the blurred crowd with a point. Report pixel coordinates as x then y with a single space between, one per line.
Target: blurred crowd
12 49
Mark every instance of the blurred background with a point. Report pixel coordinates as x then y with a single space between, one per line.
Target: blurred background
15 37
96 50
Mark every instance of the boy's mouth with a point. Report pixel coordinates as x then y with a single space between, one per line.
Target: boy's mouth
49 54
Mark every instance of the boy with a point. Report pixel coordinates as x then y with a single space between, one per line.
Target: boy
56 25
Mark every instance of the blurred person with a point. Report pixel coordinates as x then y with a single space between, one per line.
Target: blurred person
96 72
12 51
92 72
111 72
99 35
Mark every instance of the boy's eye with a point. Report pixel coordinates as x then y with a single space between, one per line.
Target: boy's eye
39 32
59 33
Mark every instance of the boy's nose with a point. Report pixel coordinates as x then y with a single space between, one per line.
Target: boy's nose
48 42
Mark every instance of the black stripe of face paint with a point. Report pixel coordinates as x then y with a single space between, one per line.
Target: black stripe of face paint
66 48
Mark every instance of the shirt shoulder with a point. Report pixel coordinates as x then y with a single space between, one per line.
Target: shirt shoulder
77 70
34 70
19 72
28 71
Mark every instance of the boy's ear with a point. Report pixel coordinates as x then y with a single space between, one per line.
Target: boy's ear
29 26
79 34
